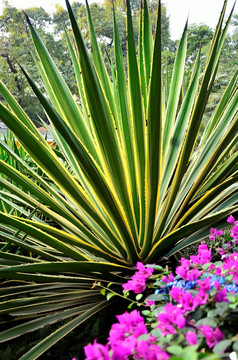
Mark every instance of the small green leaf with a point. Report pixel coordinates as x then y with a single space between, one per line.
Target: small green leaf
138 297
174 349
146 312
103 292
211 313
156 333
156 297
110 295
198 314
222 305
235 346
229 277
206 321
160 284
156 267
221 346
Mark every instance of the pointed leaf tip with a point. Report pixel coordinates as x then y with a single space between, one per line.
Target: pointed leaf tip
67 3
27 18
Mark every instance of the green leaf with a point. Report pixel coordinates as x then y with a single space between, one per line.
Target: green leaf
46 343
235 346
138 297
206 321
156 297
174 349
221 346
110 295
103 292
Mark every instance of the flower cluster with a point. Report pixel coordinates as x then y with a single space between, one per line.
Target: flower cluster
124 341
138 280
189 307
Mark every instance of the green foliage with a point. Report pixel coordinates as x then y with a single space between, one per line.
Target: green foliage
16 47
199 35
126 182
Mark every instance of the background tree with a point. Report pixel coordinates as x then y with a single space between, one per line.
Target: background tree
16 47
199 35
16 44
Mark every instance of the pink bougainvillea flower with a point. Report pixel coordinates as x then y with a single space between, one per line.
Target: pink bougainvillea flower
191 338
170 319
168 278
149 302
203 256
176 293
130 324
212 336
182 270
218 271
230 219
215 233
217 285
220 251
117 334
144 270
234 232
137 283
193 274
147 351
187 302
204 284
221 296
230 264
96 351
121 352
200 298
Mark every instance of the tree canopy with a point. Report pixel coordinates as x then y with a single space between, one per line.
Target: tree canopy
16 45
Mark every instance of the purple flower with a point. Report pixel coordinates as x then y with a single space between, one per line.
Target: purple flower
123 350
171 319
182 270
205 284
135 284
96 351
214 233
187 302
200 298
234 232
221 296
145 271
203 256
149 302
212 336
193 274
130 324
168 278
138 280
230 219
147 351
218 271
191 338
176 293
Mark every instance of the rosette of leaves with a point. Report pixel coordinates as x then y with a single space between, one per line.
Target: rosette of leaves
128 180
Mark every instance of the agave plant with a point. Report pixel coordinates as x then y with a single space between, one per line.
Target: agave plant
129 182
